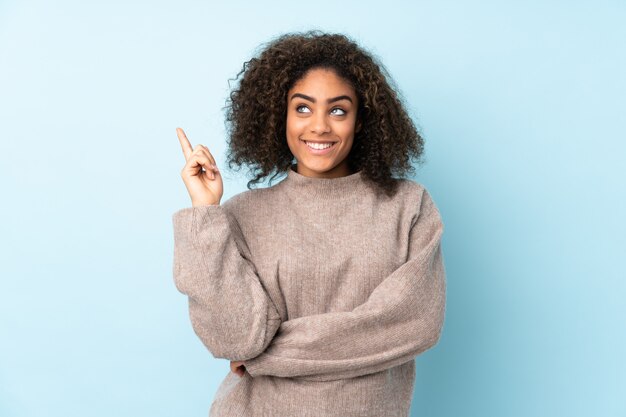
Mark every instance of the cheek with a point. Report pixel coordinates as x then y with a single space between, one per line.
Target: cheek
294 125
291 126
346 129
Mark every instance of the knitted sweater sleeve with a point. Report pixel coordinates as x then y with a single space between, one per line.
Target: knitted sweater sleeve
402 318
229 308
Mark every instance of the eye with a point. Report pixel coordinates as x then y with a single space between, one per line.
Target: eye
343 112
302 106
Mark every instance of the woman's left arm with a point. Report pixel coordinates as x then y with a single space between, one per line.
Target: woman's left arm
402 318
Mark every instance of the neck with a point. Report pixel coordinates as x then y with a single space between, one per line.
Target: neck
340 170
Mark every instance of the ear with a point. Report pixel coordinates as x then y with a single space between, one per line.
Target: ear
357 128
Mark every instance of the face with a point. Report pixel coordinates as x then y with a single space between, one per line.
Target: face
321 111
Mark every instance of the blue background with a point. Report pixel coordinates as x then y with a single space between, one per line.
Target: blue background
523 108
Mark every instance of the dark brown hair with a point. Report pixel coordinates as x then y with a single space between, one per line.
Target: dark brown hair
256 110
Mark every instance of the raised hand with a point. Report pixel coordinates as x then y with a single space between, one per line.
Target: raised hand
200 173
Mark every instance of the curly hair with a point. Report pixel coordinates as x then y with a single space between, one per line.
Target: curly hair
256 111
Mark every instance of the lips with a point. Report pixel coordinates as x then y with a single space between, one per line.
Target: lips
320 152
319 141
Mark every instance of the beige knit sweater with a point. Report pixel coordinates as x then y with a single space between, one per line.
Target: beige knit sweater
327 290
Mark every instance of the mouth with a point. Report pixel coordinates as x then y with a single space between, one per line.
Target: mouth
319 148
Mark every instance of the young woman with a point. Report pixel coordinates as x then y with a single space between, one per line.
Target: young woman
323 288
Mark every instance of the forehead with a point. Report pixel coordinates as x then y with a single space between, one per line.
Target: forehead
323 82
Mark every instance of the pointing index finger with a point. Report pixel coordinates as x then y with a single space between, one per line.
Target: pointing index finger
184 142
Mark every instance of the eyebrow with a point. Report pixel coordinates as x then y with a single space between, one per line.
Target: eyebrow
330 100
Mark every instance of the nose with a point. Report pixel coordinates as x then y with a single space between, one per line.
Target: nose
319 123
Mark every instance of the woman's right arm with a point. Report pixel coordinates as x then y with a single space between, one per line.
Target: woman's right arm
229 309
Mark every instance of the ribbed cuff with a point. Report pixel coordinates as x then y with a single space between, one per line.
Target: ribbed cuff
256 366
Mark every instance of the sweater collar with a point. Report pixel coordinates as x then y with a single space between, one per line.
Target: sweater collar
339 187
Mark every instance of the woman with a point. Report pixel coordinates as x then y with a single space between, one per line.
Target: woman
323 288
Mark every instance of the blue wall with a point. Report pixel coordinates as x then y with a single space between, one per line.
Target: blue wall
523 109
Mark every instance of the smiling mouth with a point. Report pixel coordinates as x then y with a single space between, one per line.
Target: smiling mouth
319 146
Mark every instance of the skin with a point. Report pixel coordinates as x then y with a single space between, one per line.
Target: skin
310 116
321 106
238 368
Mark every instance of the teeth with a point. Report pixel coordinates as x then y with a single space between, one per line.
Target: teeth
318 145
